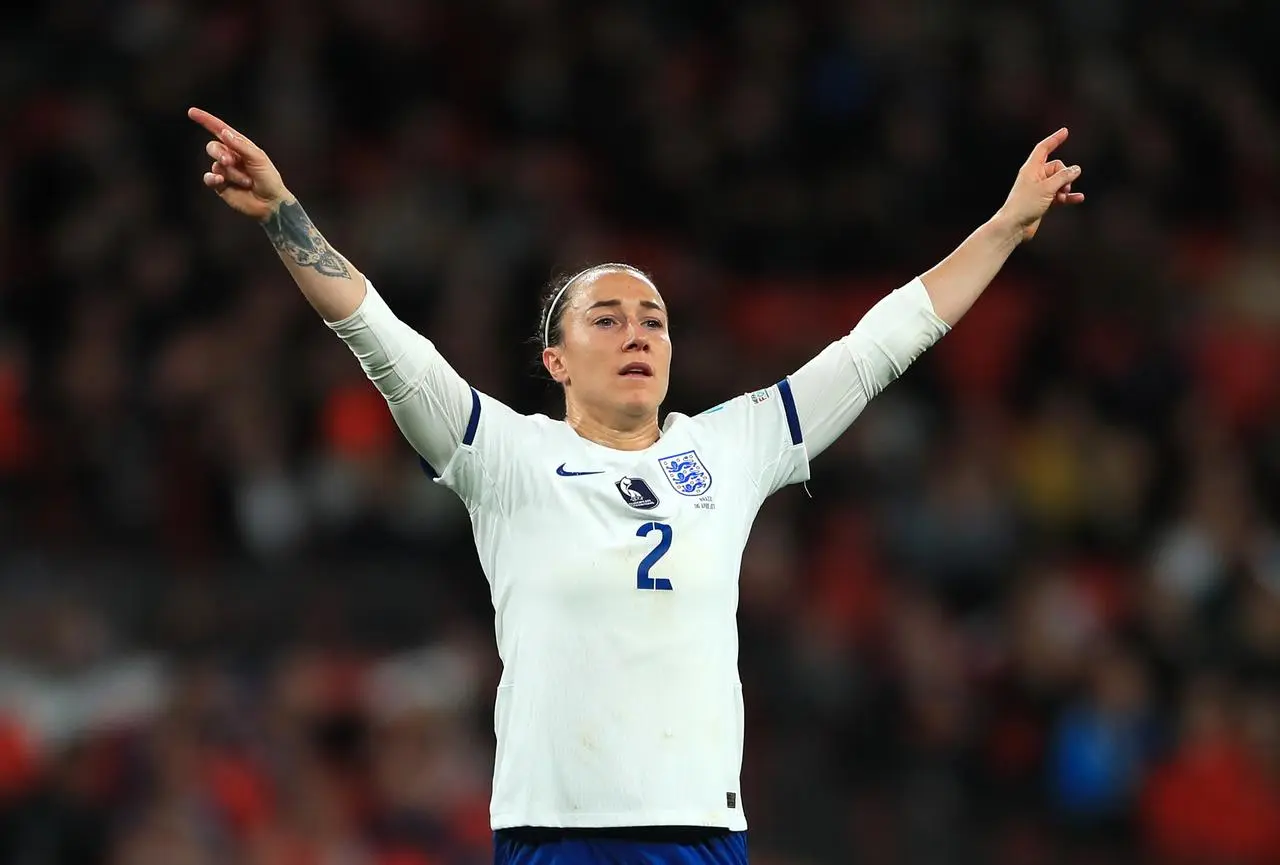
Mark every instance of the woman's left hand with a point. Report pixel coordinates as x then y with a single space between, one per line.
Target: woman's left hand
1040 184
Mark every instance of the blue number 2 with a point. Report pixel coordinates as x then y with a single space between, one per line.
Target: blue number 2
643 580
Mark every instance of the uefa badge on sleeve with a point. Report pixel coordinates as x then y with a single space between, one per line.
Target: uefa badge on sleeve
687 474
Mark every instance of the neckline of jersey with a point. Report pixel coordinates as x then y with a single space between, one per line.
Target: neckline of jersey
619 452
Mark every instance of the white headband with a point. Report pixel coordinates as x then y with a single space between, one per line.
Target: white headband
551 311
609 266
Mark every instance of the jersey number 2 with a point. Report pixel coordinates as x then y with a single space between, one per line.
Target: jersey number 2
643 580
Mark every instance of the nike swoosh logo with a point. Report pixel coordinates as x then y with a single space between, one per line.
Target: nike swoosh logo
564 473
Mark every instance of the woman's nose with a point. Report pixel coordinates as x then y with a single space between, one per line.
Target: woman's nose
636 335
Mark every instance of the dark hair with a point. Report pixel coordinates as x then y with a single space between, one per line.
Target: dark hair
551 330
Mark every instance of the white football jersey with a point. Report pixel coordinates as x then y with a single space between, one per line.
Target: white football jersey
614 574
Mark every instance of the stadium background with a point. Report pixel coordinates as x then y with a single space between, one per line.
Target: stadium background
1030 612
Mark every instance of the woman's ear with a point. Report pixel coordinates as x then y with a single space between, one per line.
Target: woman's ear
553 360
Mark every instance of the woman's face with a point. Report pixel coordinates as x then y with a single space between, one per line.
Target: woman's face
614 357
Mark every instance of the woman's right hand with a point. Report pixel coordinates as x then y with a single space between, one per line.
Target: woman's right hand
242 175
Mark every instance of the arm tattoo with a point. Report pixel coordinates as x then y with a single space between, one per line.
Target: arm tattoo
293 234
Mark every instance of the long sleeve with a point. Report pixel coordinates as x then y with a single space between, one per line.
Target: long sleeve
830 391
434 407
777 430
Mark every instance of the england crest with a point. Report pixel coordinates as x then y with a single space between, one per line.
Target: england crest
686 473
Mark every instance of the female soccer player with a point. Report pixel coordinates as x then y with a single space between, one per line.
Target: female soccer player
612 541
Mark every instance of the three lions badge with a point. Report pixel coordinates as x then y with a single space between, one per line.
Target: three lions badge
687 474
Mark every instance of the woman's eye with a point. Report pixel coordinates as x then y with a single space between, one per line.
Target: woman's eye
653 323
606 321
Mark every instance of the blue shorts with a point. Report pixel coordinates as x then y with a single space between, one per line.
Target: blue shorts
641 846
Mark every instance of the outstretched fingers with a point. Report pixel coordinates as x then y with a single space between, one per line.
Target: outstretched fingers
213 125
226 134
1042 150
1055 174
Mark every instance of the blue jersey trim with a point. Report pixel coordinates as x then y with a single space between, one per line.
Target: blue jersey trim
467 437
470 435
793 419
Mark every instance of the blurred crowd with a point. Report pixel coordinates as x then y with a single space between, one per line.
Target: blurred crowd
1026 611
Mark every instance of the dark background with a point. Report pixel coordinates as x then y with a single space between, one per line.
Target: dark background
1030 612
